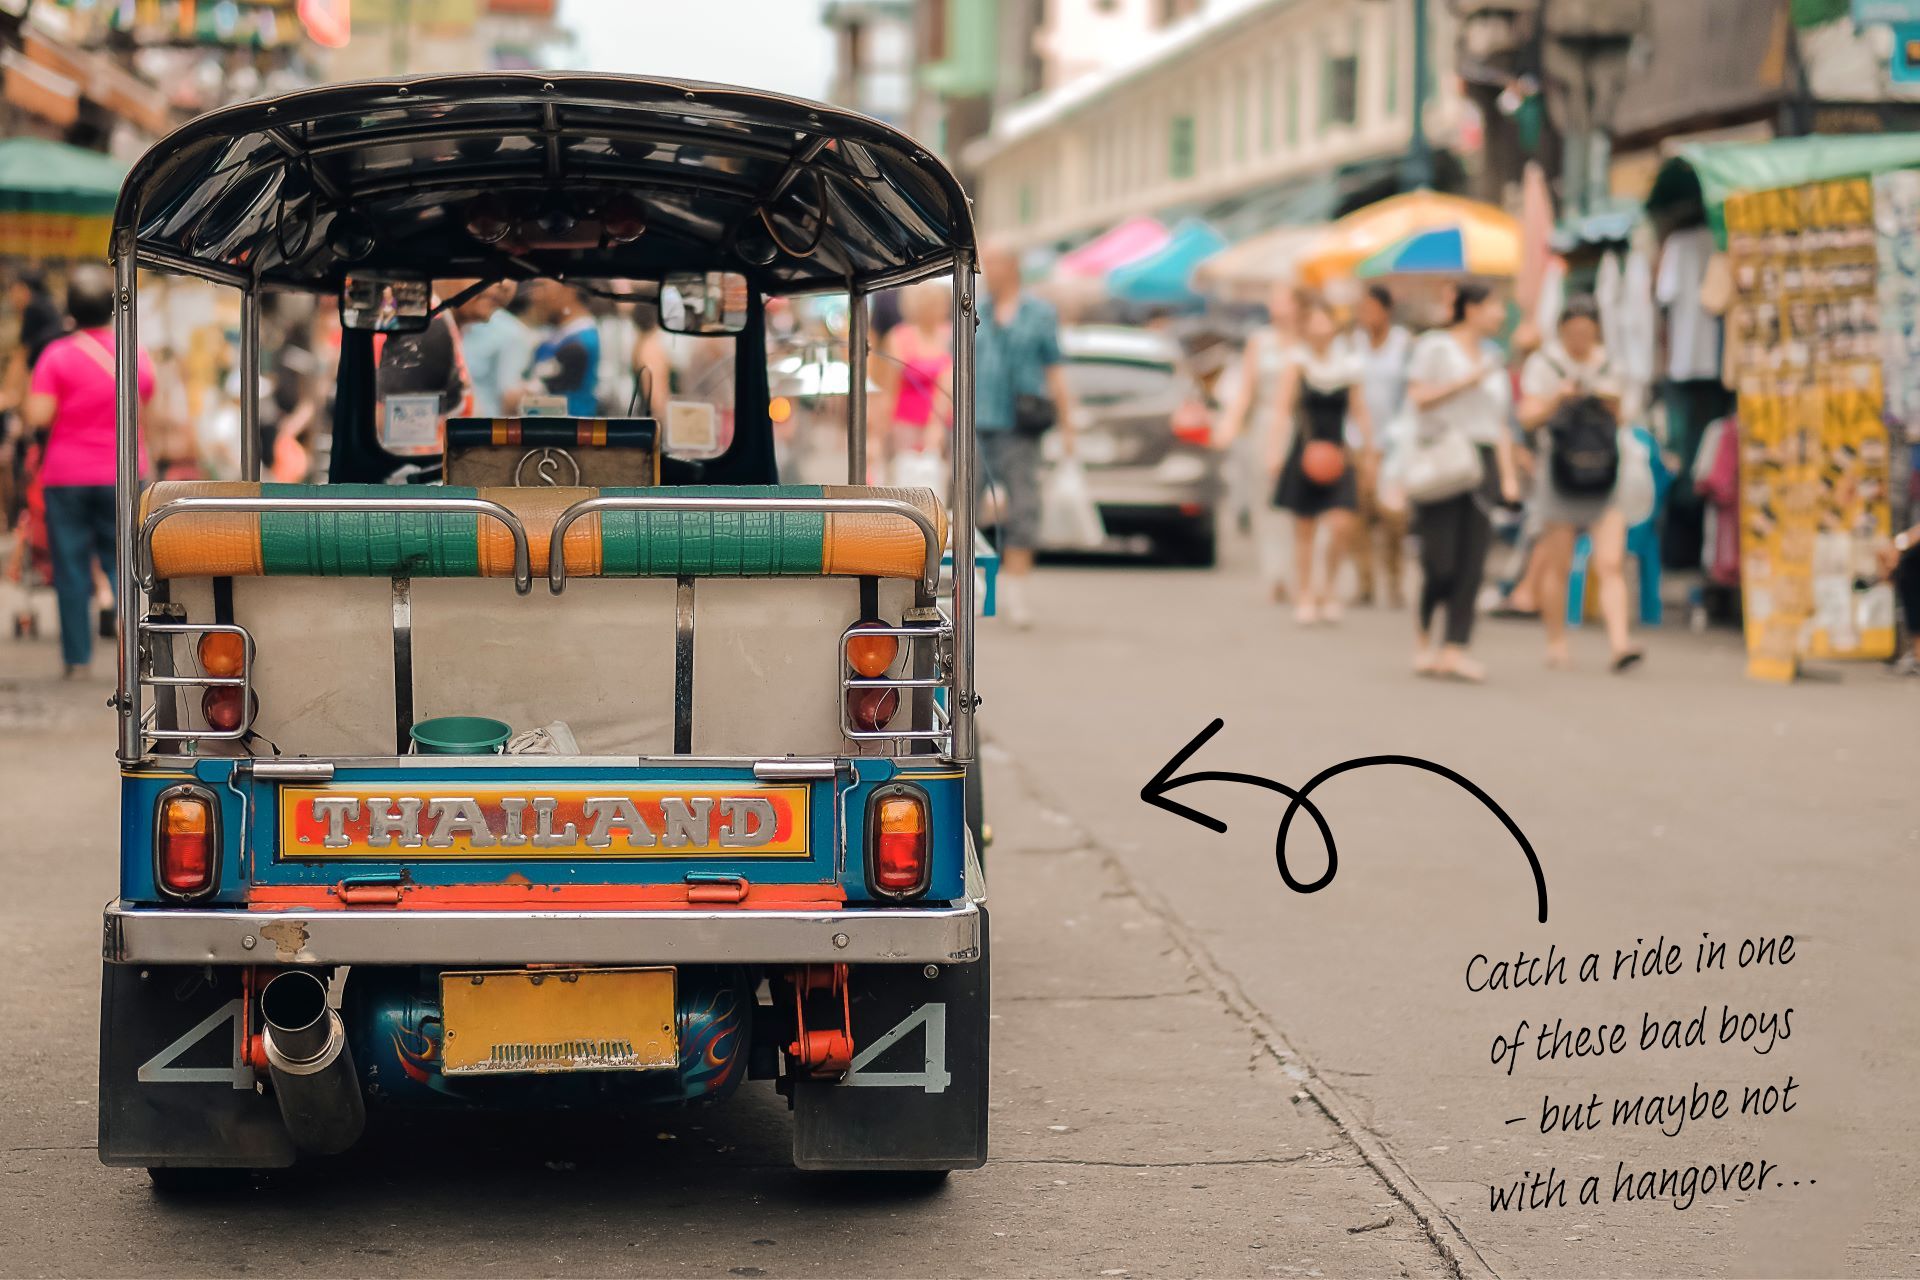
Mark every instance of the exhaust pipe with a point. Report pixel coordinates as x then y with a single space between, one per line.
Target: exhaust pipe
311 1066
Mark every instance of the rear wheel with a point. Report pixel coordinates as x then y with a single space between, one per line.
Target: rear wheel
1194 543
169 1181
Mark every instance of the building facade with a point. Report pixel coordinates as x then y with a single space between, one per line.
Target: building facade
873 58
1242 99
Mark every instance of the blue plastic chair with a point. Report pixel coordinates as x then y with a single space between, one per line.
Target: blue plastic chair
1643 546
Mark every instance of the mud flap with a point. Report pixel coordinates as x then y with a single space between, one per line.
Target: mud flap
916 1097
175 1090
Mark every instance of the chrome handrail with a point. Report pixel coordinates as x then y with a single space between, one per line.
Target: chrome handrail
522 560
557 561
244 682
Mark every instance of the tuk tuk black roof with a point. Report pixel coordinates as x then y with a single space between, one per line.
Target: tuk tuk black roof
287 191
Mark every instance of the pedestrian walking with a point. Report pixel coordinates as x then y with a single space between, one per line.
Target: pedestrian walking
1900 561
652 363
1020 393
566 363
1318 482
1252 428
1570 404
1379 530
915 376
71 396
1462 397
498 344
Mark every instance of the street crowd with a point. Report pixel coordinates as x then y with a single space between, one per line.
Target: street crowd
1494 451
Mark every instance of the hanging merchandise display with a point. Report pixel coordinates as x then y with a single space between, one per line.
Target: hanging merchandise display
1804 334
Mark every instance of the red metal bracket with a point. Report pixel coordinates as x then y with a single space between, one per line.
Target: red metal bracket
822 1052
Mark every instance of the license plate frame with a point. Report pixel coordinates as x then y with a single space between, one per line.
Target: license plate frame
553 1021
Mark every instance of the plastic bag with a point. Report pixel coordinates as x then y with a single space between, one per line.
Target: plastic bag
1633 491
912 469
1069 519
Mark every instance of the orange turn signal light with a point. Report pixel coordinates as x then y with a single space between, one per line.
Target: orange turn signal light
870 656
222 653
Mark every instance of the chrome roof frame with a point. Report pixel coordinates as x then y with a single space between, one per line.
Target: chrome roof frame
709 162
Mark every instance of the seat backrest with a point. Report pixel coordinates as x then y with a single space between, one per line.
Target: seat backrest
461 544
313 590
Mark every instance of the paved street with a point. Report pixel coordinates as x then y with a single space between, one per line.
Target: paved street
1197 1071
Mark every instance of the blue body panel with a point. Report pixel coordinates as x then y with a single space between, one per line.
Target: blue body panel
836 839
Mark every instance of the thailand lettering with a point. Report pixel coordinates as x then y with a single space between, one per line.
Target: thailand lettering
378 822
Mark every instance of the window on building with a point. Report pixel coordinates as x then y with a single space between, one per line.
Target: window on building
1392 76
1242 106
1292 90
1180 156
1027 203
1266 108
1339 90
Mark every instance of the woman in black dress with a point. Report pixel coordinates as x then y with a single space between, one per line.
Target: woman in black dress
1320 399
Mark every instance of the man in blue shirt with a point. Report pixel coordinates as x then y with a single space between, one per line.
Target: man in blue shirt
1016 358
567 361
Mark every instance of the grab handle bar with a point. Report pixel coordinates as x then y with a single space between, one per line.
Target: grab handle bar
522 561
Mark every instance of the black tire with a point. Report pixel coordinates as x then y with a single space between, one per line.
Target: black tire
198 1182
1196 544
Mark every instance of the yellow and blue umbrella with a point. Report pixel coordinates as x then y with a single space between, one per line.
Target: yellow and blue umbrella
1485 240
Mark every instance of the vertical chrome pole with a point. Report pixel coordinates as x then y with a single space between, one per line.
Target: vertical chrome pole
965 503
857 341
126 491
250 382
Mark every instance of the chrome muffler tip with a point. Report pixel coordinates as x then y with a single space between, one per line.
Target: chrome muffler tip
310 1063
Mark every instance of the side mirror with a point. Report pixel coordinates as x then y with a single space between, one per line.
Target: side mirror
703 303
386 304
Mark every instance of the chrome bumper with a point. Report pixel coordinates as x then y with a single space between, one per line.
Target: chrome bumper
937 935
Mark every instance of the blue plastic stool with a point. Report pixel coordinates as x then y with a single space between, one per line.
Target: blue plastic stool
1643 546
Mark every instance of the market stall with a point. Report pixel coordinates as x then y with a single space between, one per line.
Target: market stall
1821 239
56 201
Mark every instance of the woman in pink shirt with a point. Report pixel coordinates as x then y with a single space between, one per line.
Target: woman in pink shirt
72 396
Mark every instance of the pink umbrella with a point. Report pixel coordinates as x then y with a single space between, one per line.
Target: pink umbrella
1131 241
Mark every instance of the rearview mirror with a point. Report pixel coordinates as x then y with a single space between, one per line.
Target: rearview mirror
704 303
386 304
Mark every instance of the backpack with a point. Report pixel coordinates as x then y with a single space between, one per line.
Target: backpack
1584 458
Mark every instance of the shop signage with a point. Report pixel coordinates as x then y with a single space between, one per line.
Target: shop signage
1868 13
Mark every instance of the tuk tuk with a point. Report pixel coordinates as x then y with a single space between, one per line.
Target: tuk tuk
565 767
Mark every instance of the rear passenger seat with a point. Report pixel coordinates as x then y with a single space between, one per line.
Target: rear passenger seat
461 544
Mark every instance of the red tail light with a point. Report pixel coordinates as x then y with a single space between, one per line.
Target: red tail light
1193 424
897 861
187 842
226 708
872 710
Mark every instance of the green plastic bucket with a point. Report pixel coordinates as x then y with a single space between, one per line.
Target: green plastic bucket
460 736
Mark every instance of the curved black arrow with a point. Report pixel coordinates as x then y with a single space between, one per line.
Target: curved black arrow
1155 793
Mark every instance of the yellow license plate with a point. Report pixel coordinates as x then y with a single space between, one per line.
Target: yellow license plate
535 1021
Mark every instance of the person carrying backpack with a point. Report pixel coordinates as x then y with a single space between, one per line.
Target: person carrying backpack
1570 404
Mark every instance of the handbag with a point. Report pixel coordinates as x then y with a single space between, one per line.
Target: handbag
1033 416
1323 462
1443 467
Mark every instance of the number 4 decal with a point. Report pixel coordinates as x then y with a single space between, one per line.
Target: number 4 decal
932 1075
157 1069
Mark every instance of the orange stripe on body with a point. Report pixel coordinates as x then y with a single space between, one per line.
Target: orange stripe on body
545 897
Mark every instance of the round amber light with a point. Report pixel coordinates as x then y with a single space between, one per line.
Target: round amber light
870 656
222 654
